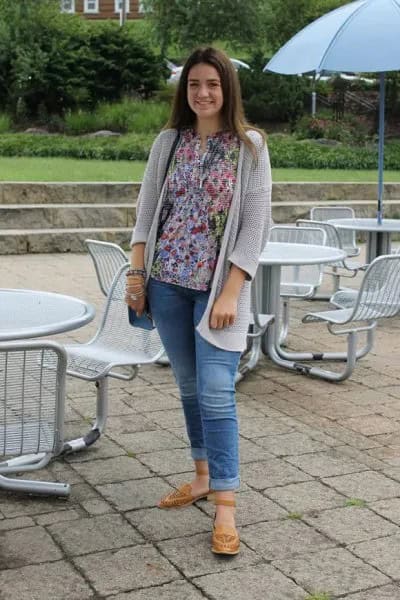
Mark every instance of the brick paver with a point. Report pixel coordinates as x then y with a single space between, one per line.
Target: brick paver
319 505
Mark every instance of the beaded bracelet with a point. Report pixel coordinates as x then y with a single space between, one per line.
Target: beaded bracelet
130 272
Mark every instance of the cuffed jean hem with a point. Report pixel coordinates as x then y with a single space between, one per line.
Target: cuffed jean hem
225 485
199 453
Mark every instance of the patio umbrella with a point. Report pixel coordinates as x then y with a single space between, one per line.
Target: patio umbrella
359 36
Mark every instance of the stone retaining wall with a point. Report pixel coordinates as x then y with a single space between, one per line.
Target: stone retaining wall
56 193
58 217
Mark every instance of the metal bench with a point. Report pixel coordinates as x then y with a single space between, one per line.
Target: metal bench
297 281
378 297
32 396
107 258
116 350
347 237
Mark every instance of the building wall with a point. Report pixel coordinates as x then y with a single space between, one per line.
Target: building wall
107 10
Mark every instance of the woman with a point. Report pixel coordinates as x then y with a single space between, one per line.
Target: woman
202 222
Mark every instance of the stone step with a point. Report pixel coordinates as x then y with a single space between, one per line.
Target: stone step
47 216
127 192
58 217
23 241
68 193
287 211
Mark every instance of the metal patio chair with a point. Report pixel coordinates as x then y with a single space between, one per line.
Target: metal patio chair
116 350
347 297
343 268
378 297
347 237
297 281
107 258
32 395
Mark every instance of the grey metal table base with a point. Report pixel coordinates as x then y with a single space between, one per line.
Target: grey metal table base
378 243
270 344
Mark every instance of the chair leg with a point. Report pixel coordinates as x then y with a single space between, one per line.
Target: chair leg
336 280
329 356
25 463
40 488
98 426
285 322
22 462
163 360
254 357
30 462
333 375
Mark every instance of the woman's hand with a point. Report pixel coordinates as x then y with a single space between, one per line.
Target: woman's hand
224 310
135 295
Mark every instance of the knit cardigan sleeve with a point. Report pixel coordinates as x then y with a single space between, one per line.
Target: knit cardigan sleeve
255 219
149 191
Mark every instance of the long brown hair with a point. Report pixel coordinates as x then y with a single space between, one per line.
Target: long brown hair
232 113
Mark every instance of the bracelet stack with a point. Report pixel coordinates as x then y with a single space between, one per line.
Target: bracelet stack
136 290
132 272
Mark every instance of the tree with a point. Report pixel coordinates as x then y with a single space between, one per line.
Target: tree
188 23
120 64
50 62
270 97
41 61
287 17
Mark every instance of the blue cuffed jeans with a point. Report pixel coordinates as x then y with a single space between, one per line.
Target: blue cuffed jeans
205 376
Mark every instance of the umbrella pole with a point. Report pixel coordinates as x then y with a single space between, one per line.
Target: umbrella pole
381 145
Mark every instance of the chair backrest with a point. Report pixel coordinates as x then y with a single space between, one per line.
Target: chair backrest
304 275
297 235
347 237
115 333
107 259
332 234
32 394
379 294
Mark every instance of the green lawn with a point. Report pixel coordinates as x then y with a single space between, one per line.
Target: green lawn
66 169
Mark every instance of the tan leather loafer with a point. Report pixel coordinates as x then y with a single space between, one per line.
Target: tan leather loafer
225 539
181 497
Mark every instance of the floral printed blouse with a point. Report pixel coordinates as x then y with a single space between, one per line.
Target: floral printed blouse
194 213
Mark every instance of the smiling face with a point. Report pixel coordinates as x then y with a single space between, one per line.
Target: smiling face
204 93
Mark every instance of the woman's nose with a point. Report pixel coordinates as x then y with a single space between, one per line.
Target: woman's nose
202 91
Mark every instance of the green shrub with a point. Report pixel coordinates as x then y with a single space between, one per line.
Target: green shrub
128 147
349 130
81 122
5 123
285 151
149 116
136 116
165 94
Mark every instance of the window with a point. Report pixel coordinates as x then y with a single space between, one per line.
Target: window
91 6
68 6
142 7
118 5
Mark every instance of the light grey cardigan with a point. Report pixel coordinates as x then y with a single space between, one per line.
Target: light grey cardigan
245 235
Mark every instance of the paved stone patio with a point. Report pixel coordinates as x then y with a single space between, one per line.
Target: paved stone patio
318 509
